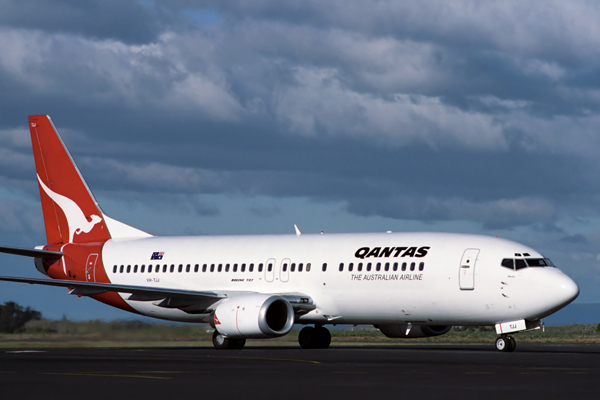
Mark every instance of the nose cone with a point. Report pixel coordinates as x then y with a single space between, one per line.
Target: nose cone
568 290
563 290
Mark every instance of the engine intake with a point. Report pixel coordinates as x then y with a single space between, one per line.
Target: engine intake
253 316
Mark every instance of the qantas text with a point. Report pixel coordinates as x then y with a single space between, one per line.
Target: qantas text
366 252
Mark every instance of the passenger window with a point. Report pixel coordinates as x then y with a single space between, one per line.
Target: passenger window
270 267
293 267
359 267
234 267
308 267
149 268
165 268
212 267
350 267
204 267
180 269
196 268
260 267
142 268
243 267
135 269
115 269
341 267
220 268
387 266
403 266
300 267
324 267
128 268
172 269
378 267
251 268
412 266
227 268
508 263
187 268
520 263
284 268
421 266
368 266
395 266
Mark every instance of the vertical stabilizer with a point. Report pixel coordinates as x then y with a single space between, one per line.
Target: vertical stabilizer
71 214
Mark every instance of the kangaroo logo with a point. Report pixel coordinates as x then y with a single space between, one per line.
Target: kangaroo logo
76 220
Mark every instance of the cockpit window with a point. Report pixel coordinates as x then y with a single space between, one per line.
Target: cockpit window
520 263
536 262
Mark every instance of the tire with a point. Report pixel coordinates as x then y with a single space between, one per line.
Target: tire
512 344
323 338
220 342
237 344
502 344
307 337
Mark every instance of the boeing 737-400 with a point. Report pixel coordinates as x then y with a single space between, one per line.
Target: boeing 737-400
258 286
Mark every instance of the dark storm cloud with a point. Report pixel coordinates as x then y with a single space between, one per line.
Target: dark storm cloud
437 111
129 21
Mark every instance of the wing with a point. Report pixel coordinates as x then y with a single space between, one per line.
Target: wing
190 301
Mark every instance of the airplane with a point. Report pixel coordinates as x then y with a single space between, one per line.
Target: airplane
408 285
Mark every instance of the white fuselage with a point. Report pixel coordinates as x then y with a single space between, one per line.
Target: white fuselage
456 279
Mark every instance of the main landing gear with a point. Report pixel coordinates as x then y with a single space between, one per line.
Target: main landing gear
506 343
222 343
314 338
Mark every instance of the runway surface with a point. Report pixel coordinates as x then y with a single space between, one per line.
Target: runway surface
352 372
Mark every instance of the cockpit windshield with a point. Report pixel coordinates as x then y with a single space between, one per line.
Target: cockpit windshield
520 263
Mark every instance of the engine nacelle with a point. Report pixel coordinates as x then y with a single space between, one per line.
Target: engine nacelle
416 331
253 316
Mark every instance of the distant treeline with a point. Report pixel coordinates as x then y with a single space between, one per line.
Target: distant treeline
13 317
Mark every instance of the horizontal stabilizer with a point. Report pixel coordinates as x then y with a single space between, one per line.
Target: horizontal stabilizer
46 254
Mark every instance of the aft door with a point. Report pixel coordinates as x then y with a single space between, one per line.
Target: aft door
90 268
466 276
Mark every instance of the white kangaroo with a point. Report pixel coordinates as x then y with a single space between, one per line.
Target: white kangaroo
76 220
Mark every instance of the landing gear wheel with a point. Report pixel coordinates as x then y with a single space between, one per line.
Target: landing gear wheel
220 342
323 338
306 338
237 344
314 338
506 344
512 342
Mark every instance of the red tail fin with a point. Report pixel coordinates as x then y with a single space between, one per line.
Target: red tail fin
71 214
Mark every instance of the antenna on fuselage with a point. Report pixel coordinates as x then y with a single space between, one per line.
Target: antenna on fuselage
298 233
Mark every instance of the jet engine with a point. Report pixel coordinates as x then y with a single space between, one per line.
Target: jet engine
253 316
416 331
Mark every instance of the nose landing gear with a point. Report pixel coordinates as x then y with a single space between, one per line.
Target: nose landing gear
506 343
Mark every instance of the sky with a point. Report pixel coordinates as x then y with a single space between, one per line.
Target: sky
247 117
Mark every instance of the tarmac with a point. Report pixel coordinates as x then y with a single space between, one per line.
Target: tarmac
423 371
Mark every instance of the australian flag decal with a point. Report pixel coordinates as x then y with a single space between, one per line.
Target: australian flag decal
157 255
